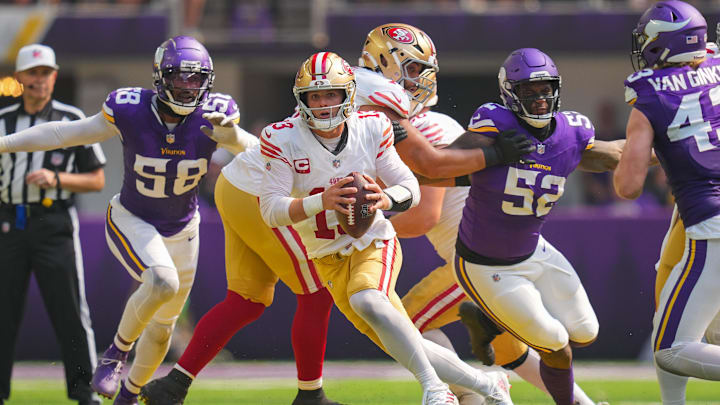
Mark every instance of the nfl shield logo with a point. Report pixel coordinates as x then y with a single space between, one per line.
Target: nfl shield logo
541 148
496 277
170 138
336 163
267 166
57 158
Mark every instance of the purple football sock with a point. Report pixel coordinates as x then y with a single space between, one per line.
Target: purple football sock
559 382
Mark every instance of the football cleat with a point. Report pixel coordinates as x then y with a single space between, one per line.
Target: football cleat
313 397
125 397
500 391
440 395
169 390
482 331
106 378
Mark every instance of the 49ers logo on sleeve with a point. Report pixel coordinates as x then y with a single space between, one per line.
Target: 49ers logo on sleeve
400 34
302 166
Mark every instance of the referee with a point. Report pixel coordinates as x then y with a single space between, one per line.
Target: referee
39 226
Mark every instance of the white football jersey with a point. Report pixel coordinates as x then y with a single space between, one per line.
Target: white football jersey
441 130
375 89
246 170
298 165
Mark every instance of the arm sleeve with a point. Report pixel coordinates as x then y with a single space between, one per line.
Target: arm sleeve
59 134
392 171
277 186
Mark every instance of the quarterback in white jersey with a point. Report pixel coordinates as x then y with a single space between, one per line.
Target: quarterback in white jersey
307 160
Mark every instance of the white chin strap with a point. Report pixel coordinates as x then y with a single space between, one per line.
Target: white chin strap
537 122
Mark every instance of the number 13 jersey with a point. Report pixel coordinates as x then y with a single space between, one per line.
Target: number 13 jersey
162 166
507 204
298 165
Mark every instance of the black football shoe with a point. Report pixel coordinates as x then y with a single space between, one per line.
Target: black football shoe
169 390
313 397
482 331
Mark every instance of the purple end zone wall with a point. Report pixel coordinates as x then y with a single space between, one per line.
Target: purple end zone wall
614 256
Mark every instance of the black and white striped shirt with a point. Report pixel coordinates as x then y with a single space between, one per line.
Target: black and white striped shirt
14 167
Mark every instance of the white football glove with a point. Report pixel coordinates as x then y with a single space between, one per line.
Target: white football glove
227 134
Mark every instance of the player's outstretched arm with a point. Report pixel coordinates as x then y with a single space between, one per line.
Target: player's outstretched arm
227 133
59 134
602 157
426 160
632 170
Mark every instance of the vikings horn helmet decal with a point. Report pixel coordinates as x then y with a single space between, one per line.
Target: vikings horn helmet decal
669 31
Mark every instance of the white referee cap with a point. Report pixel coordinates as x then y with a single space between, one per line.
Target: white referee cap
34 55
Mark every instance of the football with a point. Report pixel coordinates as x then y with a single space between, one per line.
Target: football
360 218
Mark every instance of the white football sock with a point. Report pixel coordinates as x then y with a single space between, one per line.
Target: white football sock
452 370
672 387
150 352
396 332
160 285
464 395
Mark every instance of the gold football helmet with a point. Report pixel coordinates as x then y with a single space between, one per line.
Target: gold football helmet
390 48
325 71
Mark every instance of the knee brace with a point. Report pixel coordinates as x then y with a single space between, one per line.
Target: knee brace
163 281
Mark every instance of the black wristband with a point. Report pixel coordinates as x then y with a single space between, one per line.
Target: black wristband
492 156
462 181
57 179
399 132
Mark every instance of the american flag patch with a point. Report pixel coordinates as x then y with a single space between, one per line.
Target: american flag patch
691 39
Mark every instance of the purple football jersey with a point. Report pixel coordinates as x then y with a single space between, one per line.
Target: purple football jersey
162 167
682 103
507 205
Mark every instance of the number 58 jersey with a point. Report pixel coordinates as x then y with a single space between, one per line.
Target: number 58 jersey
683 106
507 204
162 166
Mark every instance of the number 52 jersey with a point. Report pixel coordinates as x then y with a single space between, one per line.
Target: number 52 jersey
162 166
507 204
683 106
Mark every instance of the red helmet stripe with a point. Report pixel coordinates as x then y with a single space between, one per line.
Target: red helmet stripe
319 63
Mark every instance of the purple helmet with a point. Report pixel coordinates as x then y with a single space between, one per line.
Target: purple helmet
669 31
183 73
523 68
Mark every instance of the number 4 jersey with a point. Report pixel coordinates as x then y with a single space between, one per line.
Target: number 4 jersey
681 103
507 205
163 166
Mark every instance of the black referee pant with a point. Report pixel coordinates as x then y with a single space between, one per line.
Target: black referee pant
46 248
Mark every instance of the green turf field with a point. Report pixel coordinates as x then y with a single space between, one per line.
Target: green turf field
370 392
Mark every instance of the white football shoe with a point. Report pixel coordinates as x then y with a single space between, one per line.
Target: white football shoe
440 395
500 393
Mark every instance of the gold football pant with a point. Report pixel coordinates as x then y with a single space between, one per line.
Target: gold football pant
372 268
671 253
256 256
